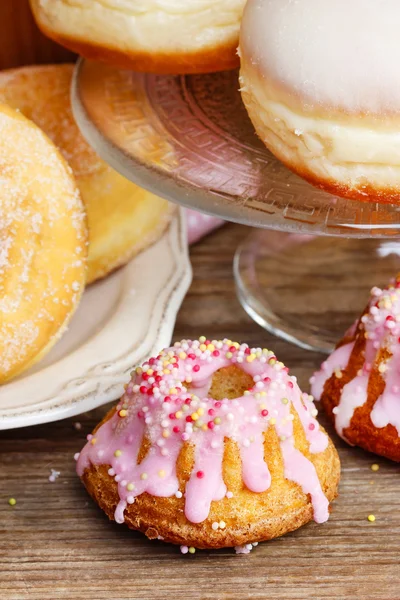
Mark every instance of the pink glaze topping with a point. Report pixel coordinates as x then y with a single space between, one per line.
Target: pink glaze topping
380 326
158 405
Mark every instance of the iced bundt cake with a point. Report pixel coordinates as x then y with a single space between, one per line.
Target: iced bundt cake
212 445
359 384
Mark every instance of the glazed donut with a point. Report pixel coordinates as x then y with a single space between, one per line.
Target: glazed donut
123 218
213 445
359 384
43 244
320 82
156 36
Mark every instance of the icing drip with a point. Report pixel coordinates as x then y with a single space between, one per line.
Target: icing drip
337 361
159 407
380 328
387 408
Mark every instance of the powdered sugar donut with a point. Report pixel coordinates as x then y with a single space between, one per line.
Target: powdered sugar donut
320 82
212 445
43 243
123 219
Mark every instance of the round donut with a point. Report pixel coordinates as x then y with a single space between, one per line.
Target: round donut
123 219
359 384
43 243
155 36
213 445
319 80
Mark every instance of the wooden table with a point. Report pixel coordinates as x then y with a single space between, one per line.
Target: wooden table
56 544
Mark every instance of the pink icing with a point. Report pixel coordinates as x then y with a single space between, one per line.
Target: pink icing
158 405
380 325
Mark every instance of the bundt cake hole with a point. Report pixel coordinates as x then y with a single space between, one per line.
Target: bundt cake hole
230 382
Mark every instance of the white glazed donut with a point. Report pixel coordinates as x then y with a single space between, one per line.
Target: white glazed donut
320 80
158 36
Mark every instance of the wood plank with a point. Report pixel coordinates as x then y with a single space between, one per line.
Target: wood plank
21 42
56 544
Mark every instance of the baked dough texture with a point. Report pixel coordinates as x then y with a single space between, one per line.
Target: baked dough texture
43 243
157 36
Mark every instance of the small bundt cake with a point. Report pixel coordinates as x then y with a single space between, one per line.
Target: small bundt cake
359 384
213 445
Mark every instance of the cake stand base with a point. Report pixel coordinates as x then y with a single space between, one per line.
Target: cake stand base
309 289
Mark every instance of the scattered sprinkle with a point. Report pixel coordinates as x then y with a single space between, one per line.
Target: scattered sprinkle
54 475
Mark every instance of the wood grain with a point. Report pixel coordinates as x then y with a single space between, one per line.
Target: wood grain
21 42
56 544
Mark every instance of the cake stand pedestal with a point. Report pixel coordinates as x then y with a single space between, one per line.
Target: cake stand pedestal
189 139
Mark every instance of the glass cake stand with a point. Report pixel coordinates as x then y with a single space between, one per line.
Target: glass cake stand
189 139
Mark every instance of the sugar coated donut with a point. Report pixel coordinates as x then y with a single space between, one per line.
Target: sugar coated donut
157 36
212 445
123 218
320 82
359 384
43 243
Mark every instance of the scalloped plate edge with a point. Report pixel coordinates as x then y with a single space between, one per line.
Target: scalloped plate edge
102 387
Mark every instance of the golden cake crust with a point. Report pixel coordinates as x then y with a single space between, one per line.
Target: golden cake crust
249 517
218 58
186 41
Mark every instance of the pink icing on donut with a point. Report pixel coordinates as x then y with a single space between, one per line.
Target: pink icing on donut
158 404
380 325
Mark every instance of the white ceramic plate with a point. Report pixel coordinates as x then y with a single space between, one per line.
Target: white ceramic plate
120 322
